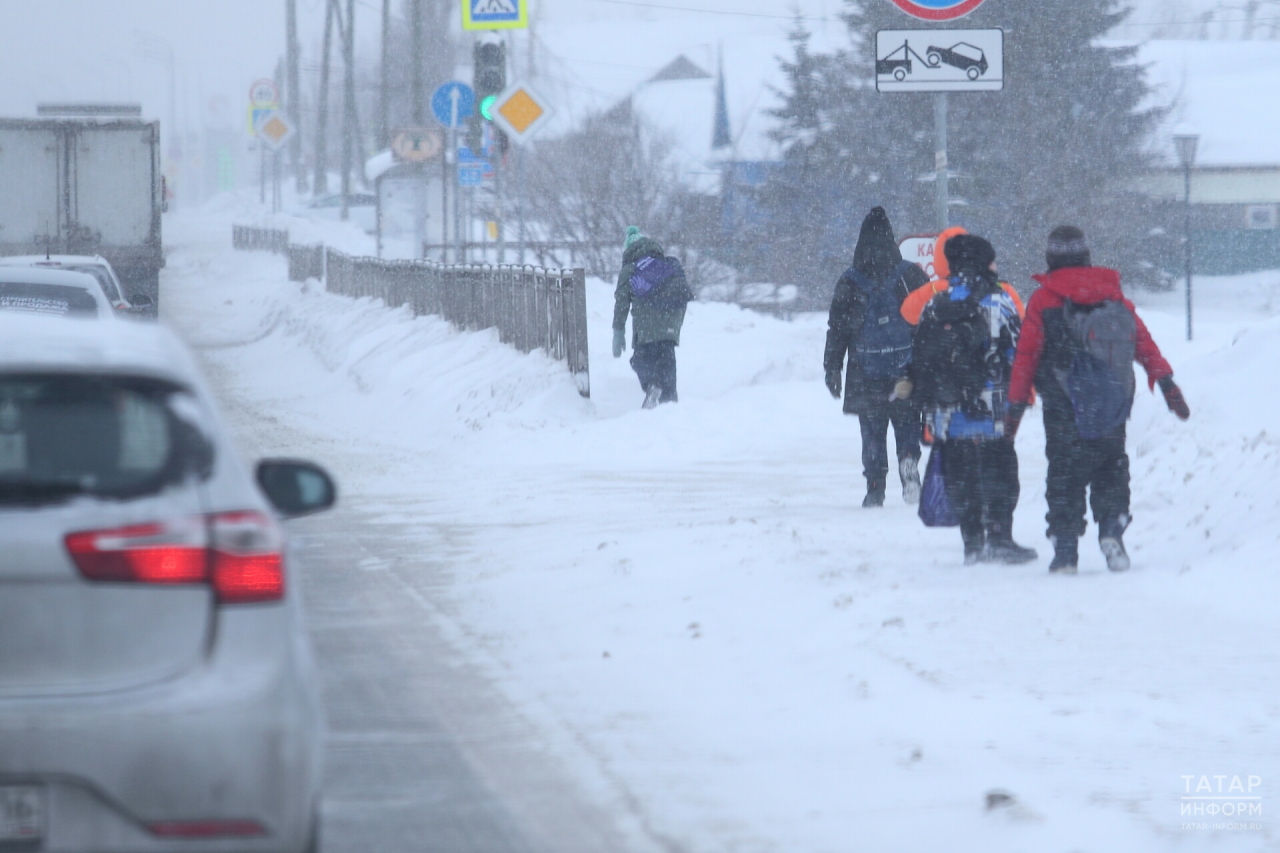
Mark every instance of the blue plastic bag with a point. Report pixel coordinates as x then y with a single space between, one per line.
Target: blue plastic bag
935 509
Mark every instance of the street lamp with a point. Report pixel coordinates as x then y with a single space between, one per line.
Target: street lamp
1186 143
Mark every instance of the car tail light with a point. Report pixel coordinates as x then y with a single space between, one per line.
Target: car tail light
246 561
236 553
205 828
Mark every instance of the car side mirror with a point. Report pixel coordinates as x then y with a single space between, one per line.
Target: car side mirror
141 300
296 488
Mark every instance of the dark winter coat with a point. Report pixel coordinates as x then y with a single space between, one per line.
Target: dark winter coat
649 323
844 326
875 257
1045 344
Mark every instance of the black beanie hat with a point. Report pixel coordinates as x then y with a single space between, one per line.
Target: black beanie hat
968 253
1067 248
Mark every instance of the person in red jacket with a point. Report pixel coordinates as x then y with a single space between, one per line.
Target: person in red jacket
1044 356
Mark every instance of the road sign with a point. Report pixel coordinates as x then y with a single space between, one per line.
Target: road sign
263 92
496 14
520 112
256 114
919 250
416 145
939 60
470 174
937 10
274 130
453 103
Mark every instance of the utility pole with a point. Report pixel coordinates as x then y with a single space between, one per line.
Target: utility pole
942 189
322 107
418 90
293 91
349 110
384 102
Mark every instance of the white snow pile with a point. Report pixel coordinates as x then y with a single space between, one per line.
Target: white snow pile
692 600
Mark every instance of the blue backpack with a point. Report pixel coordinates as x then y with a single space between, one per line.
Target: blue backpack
1100 379
884 345
660 281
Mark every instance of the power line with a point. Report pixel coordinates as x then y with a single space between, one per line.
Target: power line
716 11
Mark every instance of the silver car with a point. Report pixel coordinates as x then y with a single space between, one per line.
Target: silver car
156 688
96 266
62 293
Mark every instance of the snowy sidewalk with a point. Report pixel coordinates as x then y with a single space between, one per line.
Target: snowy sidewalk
692 602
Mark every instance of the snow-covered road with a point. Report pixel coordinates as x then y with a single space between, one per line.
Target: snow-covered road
682 619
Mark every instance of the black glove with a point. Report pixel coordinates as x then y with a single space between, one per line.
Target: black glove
1173 398
834 383
1013 419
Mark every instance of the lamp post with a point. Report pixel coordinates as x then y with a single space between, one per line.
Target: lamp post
1186 144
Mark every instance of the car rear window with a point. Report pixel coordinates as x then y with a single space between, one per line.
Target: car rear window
110 437
54 299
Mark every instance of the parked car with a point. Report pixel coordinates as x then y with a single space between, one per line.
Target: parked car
362 209
962 55
139 304
65 293
156 688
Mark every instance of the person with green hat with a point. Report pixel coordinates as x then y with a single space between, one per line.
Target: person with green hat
653 289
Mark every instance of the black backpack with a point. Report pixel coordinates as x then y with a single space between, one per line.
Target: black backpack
884 341
1099 382
950 357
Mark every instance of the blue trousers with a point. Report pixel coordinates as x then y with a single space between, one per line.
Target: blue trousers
655 364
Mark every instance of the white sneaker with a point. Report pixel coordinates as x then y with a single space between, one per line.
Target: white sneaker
909 471
1113 550
651 396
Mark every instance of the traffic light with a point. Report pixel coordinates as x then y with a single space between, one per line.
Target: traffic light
490 75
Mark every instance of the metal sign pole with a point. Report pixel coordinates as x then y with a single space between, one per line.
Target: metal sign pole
444 197
457 207
942 189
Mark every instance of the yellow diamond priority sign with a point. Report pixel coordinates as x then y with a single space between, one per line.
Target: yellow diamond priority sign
274 130
520 112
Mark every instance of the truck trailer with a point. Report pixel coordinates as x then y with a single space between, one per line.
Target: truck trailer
85 186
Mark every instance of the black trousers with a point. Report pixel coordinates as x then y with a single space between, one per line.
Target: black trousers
655 364
874 417
1075 463
982 487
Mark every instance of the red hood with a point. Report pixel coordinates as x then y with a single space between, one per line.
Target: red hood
1083 285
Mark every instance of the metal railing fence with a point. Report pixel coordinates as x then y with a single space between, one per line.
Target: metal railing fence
249 239
531 307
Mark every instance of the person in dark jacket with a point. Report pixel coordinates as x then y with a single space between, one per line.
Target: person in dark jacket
1045 353
655 325
962 358
873 371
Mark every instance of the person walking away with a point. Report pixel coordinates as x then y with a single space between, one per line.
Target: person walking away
653 289
1077 349
866 325
962 359
913 306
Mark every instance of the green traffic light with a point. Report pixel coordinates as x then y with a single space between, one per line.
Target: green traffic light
486 107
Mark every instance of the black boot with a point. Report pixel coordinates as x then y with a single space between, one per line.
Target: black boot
975 545
1111 541
1005 550
1065 556
875 494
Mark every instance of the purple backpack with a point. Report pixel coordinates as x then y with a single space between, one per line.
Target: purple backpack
659 280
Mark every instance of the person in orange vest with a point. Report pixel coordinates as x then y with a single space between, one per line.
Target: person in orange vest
913 305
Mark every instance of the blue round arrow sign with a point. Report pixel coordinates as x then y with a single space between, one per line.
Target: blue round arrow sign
453 103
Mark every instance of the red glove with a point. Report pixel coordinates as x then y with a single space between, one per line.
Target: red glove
1174 399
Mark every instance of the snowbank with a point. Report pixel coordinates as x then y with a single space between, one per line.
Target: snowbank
692 601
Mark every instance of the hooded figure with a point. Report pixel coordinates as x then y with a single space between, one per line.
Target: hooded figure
1070 291
866 327
961 363
657 307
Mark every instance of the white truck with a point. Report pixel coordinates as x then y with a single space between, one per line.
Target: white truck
85 186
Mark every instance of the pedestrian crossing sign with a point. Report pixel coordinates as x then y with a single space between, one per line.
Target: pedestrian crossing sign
495 14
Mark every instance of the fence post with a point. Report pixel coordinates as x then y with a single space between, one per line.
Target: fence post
579 360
